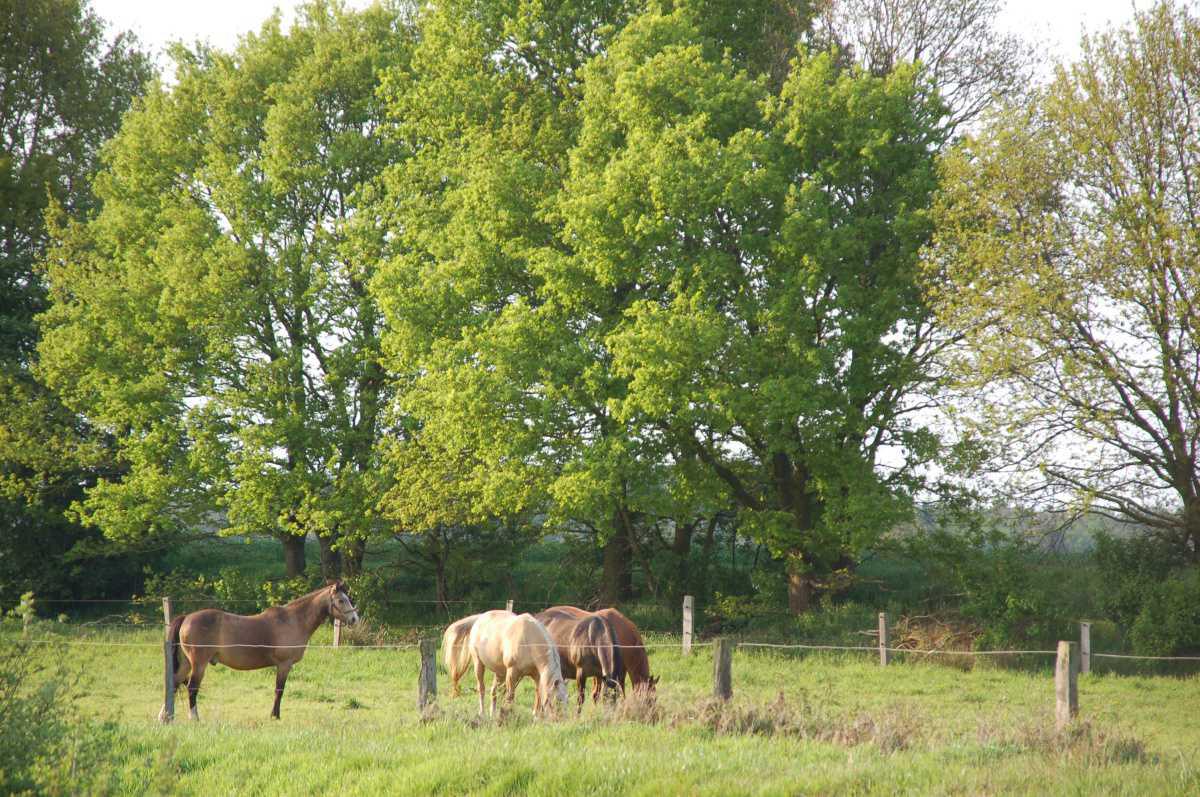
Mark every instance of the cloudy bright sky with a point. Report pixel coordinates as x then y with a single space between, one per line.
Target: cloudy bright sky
1056 22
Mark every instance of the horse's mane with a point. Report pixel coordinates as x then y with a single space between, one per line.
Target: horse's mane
310 595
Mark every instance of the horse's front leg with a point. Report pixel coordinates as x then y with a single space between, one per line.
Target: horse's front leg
582 681
281 674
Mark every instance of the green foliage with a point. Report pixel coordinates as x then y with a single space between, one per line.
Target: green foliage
765 306
1131 569
47 747
66 86
233 589
1149 595
65 89
1001 582
1168 623
604 268
212 316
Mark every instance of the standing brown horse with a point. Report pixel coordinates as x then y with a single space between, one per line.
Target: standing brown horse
587 647
275 638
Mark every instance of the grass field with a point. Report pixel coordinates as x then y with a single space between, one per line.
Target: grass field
813 724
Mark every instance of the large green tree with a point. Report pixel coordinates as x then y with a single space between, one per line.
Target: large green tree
766 239
507 378
1069 252
697 285
65 87
212 316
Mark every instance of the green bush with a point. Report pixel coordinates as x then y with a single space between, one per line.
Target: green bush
1131 569
1168 622
1150 594
233 590
45 747
1002 583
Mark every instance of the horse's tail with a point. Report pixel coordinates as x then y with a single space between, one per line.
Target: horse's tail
456 652
616 665
173 635
173 640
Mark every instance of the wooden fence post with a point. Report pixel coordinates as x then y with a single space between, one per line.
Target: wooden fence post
722 669
883 639
1085 647
1066 686
509 605
688 605
427 680
337 632
168 710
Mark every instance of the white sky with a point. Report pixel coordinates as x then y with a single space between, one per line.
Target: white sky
1058 23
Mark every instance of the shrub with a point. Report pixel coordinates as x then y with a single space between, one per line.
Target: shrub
233 589
1150 594
45 747
1169 620
1002 583
1131 569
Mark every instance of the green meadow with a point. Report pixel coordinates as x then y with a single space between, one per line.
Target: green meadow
797 724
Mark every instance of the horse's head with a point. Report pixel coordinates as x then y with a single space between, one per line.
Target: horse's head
555 690
341 607
560 691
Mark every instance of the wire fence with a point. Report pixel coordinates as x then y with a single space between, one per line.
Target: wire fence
148 609
650 645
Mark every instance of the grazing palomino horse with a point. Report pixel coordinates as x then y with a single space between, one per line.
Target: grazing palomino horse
514 646
456 652
586 646
275 638
633 653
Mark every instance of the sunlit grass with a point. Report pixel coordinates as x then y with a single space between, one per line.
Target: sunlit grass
816 723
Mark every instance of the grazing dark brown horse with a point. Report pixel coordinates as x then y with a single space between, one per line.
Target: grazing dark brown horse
587 647
633 652
275 638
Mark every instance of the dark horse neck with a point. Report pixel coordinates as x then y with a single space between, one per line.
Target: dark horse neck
311 610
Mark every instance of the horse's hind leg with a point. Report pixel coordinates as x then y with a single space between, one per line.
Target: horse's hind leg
480 676
281 674
193 685
582 688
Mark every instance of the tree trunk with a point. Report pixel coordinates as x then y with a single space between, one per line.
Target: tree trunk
706 556
682 548
618 574
353 555
443 588
800 591
293 554
331 560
